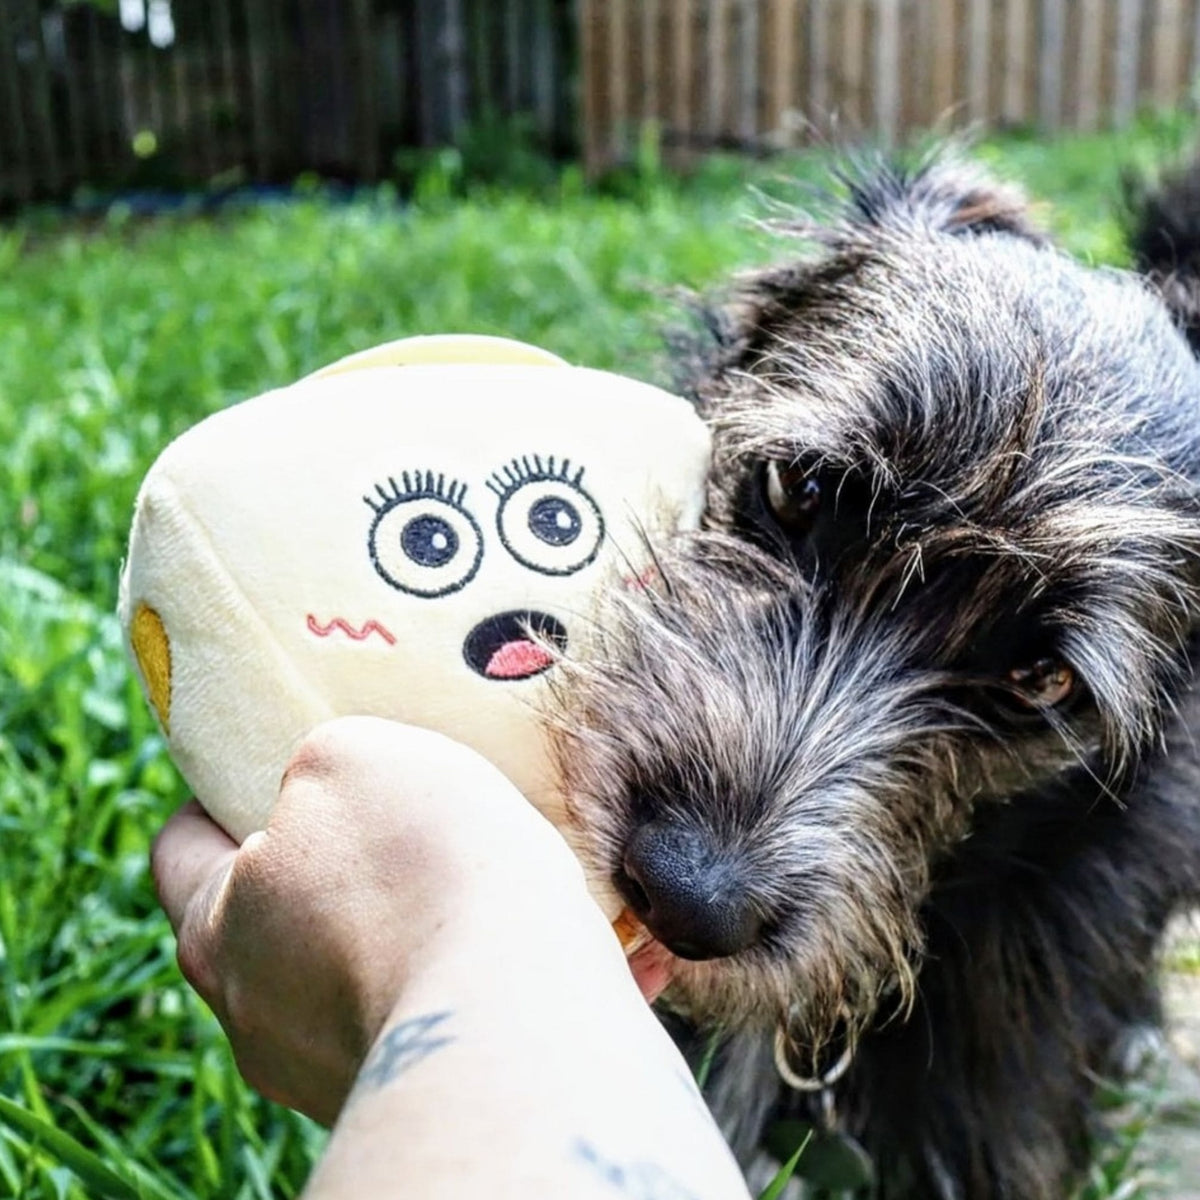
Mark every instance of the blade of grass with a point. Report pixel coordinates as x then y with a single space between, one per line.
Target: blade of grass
774 1189
101 1179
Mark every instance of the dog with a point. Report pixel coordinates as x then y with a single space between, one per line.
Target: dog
894 760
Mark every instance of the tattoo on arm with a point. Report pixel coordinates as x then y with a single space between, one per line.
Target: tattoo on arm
402 1047
639 1180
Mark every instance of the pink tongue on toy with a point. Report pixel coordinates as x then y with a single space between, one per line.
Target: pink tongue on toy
515 660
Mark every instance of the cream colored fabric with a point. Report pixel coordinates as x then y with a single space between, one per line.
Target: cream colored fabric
290 548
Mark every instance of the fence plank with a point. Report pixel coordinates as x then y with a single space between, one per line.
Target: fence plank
1168 41
716 72
41 114
545 69
72 48
189 143
617 58
592 60
680 75
1194 55
978 47
820 93
852 53
1016 62
20 169
258 60
1050 63
944 46
365 85
102 157
1089 63
779 69
748 59
235 129
202 81
648 59
799 128
1125 93
887 71
916 38
453 46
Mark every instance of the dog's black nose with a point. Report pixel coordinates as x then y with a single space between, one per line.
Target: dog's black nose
687 893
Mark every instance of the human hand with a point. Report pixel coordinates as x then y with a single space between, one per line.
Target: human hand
389 845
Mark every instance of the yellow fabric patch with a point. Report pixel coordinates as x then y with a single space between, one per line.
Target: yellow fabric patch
153 650
445 348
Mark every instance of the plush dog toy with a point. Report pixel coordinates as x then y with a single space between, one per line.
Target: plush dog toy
415 532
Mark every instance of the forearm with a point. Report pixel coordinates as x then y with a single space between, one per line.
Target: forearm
552 1079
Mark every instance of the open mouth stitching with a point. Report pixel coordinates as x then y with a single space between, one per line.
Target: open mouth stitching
514 645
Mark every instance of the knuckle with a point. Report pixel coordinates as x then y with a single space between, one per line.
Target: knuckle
324 750
314 758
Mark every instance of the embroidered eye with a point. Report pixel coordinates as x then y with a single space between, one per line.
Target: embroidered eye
1043 684
547 520
422 540
794 494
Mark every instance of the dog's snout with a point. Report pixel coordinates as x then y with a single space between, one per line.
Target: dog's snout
688 894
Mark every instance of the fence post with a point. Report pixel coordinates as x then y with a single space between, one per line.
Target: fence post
819 92
1050 64
1194 57
366 89
260 86
21 170
979 45
43 127
887 70
617 56
592 63
716 73
1016 62
682 108
945 54
1167 42
1128 57
1090 59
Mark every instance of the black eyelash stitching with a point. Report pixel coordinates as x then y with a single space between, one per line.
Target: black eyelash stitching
521 471
417 485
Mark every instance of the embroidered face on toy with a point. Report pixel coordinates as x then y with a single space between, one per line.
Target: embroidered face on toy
426 542
401 536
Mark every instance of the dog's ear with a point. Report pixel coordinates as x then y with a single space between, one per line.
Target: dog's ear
1162 220
946 194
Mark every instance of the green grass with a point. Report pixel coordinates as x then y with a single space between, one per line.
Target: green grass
114 1080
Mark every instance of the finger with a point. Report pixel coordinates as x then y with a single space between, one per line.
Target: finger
188 853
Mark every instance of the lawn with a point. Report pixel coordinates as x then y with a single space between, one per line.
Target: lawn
114 1080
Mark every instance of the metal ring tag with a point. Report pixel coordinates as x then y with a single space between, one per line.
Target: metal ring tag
815 1083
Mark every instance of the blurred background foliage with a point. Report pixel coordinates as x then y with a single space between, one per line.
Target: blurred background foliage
126 318
118 333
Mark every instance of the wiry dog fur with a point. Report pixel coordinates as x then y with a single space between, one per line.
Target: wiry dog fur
965 884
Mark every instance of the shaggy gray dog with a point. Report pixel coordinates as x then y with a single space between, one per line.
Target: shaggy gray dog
895 761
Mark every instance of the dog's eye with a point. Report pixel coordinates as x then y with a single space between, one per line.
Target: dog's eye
794 495
1044 683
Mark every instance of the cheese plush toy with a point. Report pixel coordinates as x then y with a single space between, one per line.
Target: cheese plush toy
414 533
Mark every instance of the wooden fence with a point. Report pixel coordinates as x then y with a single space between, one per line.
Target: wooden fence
763 74
187 92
